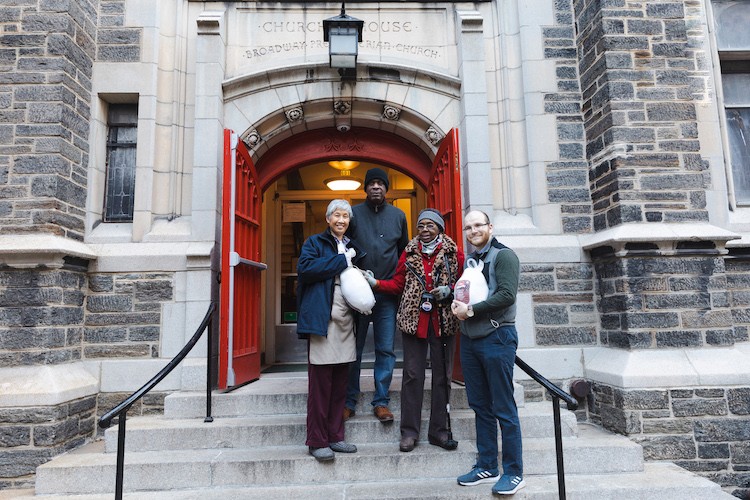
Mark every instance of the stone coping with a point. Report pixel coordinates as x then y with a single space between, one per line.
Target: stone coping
30 250
46 385
656 232
667 368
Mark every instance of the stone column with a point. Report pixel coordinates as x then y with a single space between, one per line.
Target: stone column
47 398
671 360
475 150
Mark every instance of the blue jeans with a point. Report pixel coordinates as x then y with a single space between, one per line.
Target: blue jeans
487 365
383 319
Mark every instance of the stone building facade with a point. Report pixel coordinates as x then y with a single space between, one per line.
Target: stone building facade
599 135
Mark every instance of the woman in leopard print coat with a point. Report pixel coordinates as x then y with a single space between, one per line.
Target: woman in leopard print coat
425 276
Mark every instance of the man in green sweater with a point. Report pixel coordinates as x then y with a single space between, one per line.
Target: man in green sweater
488 352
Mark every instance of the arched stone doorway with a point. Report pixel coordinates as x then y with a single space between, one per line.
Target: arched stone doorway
291 124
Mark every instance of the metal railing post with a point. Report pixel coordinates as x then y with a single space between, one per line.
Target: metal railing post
559 448
120 471
209 370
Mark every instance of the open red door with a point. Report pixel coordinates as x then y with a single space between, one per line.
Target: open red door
444 191
444 194
239 344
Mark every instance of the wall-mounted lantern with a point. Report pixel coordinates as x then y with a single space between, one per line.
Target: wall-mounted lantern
343 34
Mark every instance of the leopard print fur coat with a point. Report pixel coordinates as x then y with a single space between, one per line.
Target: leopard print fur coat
444 272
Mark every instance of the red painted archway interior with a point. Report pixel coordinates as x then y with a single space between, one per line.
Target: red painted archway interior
362 144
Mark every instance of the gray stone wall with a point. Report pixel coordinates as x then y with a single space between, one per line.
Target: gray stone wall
705 430
641 72
563 302
41 315
652 298
567 178
31 436
45 94
114 41
737 265
123 314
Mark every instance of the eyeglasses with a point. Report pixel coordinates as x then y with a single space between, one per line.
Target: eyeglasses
476 227
429 226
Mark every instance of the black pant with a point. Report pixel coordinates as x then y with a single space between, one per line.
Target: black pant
412 385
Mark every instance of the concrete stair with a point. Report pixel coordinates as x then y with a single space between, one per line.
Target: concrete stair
255 449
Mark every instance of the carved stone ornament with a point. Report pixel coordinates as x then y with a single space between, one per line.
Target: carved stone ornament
391 112
433 136
253 138
342 143
342 107
294 114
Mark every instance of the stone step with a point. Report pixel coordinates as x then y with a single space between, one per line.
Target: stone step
92 471
657 481
157 433
282 393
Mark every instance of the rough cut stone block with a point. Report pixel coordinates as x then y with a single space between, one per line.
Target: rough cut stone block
667 447
739 401
15 435
566 335
703 465
622 422
20 462
49 435
714 430
550 315
699 407
670 112
157 290
109 303
668 426
641 400
105 334
100 283
144 334
650 320
709 393
679 338
665 10
713 450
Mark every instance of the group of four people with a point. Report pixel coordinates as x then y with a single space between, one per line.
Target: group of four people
413 282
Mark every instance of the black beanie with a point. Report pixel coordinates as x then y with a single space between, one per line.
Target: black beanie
376 173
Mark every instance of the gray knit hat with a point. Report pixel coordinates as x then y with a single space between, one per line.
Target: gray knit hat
434 216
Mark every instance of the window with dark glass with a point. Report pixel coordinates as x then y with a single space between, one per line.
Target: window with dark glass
119 193
733 40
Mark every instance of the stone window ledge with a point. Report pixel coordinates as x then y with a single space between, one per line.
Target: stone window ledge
33 250
665 234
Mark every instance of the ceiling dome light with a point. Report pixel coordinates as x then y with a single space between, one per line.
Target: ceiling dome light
344 164
343 182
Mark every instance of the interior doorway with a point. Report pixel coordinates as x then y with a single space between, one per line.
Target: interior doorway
294 207
288 186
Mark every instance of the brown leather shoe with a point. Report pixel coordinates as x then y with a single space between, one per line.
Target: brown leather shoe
348 413
407 444
383 414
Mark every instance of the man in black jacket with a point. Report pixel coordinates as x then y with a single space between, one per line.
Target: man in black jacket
381 230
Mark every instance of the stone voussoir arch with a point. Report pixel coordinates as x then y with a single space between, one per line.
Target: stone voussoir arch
392 115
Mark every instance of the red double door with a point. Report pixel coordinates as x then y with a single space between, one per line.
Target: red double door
241 266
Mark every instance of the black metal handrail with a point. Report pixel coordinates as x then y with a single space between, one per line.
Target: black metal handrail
557 394
121 409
